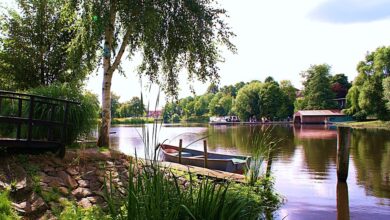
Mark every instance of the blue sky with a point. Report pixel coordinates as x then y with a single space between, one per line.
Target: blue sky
352 11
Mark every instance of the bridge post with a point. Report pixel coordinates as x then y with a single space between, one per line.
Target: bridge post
18 129
343 142
30 120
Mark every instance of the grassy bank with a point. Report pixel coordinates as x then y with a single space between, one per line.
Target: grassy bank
142 120
367 124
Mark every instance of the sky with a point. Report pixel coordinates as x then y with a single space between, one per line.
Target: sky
281 38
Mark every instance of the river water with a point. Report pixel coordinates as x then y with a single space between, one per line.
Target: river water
303 165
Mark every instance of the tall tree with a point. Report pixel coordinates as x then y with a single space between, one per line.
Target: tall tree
317 90
170 35
247 103
290 93
34 45
366 97
271 100
220 104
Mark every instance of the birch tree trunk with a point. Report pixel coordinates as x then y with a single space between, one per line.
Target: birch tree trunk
104 132
108 70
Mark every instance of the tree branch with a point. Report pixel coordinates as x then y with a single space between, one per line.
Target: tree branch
118 57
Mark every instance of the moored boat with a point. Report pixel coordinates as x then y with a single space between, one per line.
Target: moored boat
215 161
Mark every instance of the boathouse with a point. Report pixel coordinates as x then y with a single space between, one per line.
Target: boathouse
319 116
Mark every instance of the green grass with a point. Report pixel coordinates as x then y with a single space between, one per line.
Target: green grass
142 120
6 211
367 124
71 211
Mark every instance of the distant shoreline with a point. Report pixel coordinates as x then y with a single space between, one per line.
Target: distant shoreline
366 124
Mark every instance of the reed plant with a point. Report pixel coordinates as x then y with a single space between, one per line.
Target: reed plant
262 144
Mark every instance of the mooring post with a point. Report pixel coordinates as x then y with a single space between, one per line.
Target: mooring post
180 147
342 201
205 153
343 142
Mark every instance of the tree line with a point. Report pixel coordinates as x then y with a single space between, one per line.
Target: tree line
268 100
131 108
255 100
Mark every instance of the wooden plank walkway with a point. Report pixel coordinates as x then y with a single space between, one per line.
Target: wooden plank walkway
205 172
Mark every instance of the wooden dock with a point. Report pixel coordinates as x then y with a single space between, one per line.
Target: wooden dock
216 174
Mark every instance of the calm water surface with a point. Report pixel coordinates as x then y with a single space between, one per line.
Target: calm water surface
304 165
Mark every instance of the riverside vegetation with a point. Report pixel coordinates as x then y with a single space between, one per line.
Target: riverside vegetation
88 184
93 184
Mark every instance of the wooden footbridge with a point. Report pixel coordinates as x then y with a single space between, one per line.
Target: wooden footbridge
31 122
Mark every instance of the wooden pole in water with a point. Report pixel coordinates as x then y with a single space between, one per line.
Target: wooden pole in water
343 142
180 148
205 153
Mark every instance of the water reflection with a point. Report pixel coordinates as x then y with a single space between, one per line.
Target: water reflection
304 165
371 157
342 201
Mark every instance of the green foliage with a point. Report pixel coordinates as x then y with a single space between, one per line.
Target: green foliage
247 103
213 88
272 101
35 42
115 106
170 109
257 99
132 108
175 118
289 92
83 117
72 211
221 104
386 92
265 100
317 88
202 103
367 97
6 211
170 35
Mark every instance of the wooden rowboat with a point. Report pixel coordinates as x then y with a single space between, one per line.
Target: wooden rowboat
215 161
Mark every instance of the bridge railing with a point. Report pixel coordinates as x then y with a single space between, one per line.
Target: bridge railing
33 111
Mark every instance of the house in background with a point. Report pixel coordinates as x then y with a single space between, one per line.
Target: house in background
154 114
319 116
